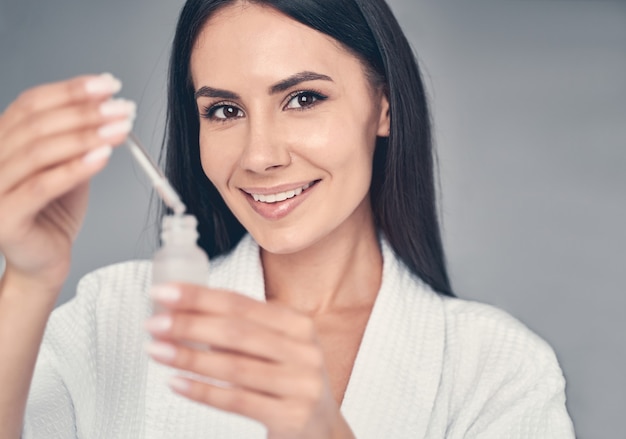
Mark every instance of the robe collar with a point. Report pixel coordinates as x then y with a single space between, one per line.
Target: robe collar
396 374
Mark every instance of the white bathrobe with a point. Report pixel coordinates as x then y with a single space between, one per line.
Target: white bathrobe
428 366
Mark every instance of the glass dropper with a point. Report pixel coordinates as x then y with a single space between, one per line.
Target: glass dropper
163 187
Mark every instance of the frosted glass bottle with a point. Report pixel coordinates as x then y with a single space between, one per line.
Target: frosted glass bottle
180 259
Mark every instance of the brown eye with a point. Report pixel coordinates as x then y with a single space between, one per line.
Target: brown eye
230 112
304 99
224 112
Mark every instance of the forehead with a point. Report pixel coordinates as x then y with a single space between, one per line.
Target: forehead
246 39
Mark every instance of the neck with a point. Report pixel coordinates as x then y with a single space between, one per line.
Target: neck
334 274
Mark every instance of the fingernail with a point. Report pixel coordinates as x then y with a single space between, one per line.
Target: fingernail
165 293
118 107
160 323
115 128
161 351
98 154
179 384
103 84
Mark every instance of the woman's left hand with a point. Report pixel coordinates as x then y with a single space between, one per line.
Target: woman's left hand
267 355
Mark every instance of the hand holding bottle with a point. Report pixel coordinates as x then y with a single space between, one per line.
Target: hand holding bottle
264 361
53 139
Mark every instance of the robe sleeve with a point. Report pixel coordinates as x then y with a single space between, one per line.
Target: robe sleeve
66 369
525 407
507 381
50 412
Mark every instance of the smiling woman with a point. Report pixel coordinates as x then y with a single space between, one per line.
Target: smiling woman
298 135
301 115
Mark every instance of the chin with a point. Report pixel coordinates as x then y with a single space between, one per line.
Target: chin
281 246
282 242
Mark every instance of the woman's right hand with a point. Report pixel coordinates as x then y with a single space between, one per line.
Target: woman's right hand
53 139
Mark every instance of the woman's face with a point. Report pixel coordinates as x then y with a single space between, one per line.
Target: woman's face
288 126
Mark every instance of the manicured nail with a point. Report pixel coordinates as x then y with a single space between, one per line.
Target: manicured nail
165 293
179 384
161 351
103 84
160 323
98 154
115 128
118 107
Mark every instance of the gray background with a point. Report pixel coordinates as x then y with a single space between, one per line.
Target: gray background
529 101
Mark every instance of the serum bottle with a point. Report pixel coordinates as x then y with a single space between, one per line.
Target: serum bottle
180 259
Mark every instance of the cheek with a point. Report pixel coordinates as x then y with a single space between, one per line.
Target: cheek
335 141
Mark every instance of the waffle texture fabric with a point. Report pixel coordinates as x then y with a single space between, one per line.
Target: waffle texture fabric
428 366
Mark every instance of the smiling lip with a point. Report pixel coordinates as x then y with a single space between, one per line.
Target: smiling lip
277 202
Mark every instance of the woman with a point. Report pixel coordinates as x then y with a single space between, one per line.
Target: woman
298 134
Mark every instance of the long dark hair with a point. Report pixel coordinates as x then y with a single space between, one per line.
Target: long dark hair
402 191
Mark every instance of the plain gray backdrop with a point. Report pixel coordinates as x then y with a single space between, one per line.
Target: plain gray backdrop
529 103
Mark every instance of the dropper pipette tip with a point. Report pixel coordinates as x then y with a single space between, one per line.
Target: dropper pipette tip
163 187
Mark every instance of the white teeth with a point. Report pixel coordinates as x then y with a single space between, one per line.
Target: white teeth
281 196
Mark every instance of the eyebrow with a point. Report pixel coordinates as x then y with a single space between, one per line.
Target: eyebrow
210 92
296 79
285 84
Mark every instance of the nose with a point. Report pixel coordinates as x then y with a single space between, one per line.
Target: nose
265 149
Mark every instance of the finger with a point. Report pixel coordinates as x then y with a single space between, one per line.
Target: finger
59 94
262 408
230 334
242 371
187 297
30 197
29 133
53 151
